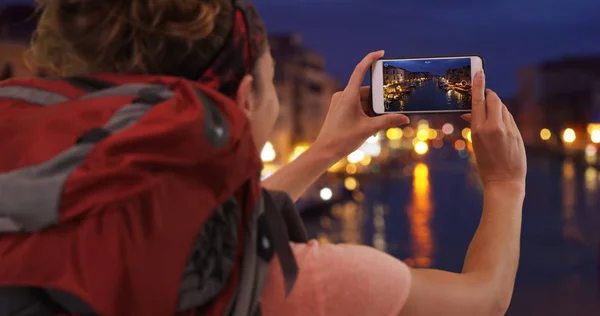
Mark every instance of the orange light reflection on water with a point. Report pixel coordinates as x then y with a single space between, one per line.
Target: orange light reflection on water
419 216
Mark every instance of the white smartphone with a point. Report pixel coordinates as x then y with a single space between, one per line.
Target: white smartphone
423 84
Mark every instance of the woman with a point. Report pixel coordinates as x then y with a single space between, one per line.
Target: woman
193 39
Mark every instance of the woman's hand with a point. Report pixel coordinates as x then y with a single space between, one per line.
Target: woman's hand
347 126
497 142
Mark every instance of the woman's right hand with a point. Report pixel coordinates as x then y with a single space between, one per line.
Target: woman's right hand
497 142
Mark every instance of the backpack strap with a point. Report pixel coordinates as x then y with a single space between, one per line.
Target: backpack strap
279 241
46 96
32 95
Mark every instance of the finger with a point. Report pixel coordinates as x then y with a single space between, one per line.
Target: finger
512 122
365 93
505 116
494 107
358 76
478 100
389 121
335 97
466 117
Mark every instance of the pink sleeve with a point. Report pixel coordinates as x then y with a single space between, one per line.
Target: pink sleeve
339 280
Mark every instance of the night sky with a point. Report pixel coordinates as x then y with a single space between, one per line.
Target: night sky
436 66
509 34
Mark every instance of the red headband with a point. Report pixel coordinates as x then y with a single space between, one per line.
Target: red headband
238 55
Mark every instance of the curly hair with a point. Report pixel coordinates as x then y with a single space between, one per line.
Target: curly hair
76 37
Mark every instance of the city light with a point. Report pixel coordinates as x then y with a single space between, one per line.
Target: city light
373 139
432 134
351 168
545 134
466 132
423 134
326 194
337 166
591 150
366 161
569 135
409 132
350 183
469 136
356 156
595 136
268 153
394 133
448 129
299 150
423 124
460 145
421 148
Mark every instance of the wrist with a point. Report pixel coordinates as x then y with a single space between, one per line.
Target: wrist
322 155
514 189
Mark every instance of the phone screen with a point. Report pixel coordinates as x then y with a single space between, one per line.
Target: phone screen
424 85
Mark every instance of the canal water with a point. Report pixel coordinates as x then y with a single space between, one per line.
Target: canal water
426 216
427 96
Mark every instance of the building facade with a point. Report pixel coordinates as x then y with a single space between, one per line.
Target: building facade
557 95
393 75
304 90
458 75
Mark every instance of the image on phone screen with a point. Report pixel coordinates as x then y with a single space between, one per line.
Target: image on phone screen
424 85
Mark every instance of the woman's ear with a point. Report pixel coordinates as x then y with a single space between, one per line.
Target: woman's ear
244 96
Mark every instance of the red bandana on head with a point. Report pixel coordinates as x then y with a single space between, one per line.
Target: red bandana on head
238 55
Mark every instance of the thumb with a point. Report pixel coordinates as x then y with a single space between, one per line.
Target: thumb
390 120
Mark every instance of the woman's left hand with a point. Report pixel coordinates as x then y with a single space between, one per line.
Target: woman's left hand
347 126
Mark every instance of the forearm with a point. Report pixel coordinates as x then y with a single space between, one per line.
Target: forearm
493 255
295 177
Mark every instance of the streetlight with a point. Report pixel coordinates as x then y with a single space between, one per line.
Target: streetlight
356 156
421 148
394 133
545 134
326 194
569 136
268 153
595 136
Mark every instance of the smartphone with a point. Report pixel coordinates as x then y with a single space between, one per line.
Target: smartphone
423 84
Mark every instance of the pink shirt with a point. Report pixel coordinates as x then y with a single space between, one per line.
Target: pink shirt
339 280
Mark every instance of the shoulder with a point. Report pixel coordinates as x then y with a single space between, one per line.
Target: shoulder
341 280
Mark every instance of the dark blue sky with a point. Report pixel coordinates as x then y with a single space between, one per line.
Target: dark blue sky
435 66
509 34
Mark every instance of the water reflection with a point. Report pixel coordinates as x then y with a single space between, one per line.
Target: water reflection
591 186
571 230
379 240
349 216
419 213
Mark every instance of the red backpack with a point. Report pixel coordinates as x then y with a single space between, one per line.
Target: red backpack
133 195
